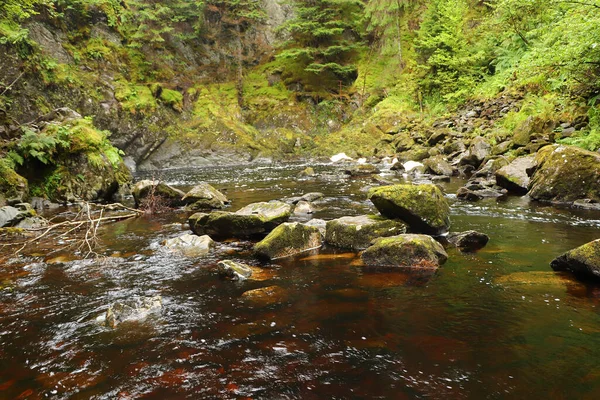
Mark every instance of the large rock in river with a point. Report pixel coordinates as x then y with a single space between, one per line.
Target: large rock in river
287 240
420 251
422 207
168 195
584 261
565 174
356 233
514 177
190 245
204 197
254 219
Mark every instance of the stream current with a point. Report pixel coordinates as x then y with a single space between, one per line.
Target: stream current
496 324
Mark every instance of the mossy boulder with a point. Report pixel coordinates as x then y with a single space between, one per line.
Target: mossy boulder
204 197
438 166
356 233
583 262
13 187
168 195
287 240
254 219
408 250
564 174
422 207
478 151
514 176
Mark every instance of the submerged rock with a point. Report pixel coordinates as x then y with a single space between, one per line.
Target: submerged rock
307 172
357 232
287 240
234 270
514 176
204 197
132 310
583 261
265 296
468 241
190 245
409 250
422 207
565 174
254 219
168 195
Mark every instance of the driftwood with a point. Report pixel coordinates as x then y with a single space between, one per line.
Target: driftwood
85 226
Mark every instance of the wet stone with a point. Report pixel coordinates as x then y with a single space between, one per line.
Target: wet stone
233 270
132 310
190 245
468 241
356 233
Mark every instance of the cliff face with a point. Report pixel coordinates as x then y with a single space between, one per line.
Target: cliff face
166 104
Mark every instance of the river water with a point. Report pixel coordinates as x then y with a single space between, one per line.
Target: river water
496 324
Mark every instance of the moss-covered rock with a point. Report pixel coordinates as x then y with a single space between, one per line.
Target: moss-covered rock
168 195
357 232
583 262
514 176
565 174
409 250
287 240
13 187
422 207
438 166
204 197
254 219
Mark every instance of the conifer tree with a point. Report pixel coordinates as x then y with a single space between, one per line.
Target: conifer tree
384 21
324 39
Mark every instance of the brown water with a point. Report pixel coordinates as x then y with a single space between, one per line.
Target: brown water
470 331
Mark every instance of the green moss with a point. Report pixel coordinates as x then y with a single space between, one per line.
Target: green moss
172 98
135 98
287 240
12 185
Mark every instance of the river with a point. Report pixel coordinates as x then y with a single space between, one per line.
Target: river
496 324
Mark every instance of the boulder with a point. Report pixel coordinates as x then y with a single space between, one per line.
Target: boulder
254 219
307 172
320 224
265 296
190 245
583 262
437 165
13 216
409 250
304 207
287 240
397 166
356 233
362 170
468 241
416 153
233 270
514 177
478 151
13 187
169 196
312 196
204 197
132 310
564 174
422 207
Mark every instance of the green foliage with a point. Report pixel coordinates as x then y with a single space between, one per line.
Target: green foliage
590 138
172 98
325 39
449 66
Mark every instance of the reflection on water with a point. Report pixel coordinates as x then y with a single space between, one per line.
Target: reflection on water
488 325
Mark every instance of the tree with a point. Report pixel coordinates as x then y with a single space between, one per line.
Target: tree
238 16
324 39
384 21
450 67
